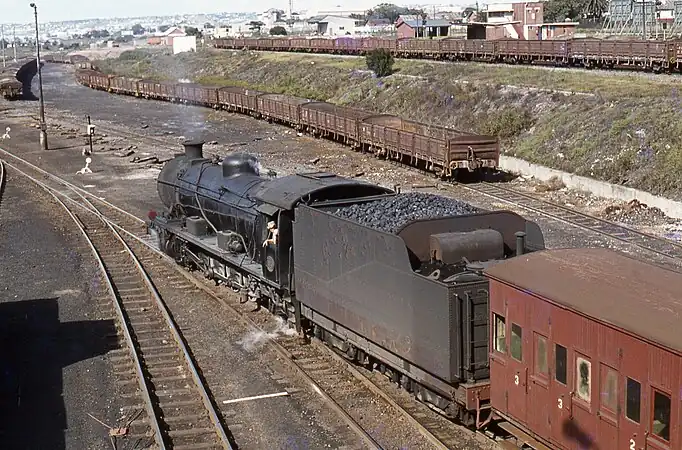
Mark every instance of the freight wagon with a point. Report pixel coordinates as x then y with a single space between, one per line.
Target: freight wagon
443 151
611 53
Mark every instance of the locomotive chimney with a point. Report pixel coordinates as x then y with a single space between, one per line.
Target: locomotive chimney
520 242
194 149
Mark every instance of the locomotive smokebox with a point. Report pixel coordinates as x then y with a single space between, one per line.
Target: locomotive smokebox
194 149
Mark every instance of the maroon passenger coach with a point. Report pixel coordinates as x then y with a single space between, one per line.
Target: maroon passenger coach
586 349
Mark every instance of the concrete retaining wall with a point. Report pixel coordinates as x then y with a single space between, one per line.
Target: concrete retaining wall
599 188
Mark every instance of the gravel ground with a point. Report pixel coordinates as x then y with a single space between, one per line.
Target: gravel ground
55 333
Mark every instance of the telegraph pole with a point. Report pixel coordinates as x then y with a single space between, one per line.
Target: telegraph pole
644 20
43 125
2 32
14 42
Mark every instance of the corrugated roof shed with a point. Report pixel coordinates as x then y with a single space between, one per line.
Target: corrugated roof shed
429 23
627 293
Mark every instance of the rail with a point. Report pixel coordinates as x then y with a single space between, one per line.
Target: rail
640 239
2 179
114 270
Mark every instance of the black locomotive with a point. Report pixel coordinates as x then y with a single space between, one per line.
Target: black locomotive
412 302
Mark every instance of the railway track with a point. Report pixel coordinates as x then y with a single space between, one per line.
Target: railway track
622 233
178 411
328 374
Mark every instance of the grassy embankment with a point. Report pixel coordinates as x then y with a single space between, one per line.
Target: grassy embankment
621 128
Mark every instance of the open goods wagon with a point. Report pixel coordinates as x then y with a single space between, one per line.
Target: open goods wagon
239 99
440 150
197 94
280 108
329 120
437 148
644 54
10 87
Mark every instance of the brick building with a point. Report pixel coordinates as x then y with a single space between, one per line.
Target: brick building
415 26
519 21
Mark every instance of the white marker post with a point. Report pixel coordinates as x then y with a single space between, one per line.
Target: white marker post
85 169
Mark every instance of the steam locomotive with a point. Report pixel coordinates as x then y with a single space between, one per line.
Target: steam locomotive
412 303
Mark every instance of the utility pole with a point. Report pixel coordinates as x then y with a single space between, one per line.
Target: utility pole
643 21
2 32
14 42
43 125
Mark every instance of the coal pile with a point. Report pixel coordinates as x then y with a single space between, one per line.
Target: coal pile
392 213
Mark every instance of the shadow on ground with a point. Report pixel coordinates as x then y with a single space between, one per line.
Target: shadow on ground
35 347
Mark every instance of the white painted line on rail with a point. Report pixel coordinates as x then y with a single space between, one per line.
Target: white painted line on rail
257 397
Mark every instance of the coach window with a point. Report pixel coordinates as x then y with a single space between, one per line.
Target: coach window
500 332
516 342
660 422
541 355
633 392
560 360
583 378
609 388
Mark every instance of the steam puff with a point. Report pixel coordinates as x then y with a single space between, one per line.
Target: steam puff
256 339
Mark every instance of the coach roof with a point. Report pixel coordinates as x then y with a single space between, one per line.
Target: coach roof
608 286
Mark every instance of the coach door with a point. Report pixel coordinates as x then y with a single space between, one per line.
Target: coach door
520 357
633 400
560 380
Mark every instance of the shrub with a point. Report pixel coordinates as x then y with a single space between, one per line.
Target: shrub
380 61
278 31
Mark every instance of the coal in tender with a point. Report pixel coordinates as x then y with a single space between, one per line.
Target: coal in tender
392 213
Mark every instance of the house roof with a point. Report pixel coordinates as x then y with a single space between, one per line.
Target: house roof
429 23
377 22
330 18
170 31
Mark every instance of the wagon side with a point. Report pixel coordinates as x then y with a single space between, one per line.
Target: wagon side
280 108
238 99
329 120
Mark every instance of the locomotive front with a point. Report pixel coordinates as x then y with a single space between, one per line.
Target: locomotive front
208 193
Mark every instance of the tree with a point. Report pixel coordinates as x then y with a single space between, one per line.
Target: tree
138 29
255 25
391 12
163 28
192 31
208 25
560 10
278 31
380 61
